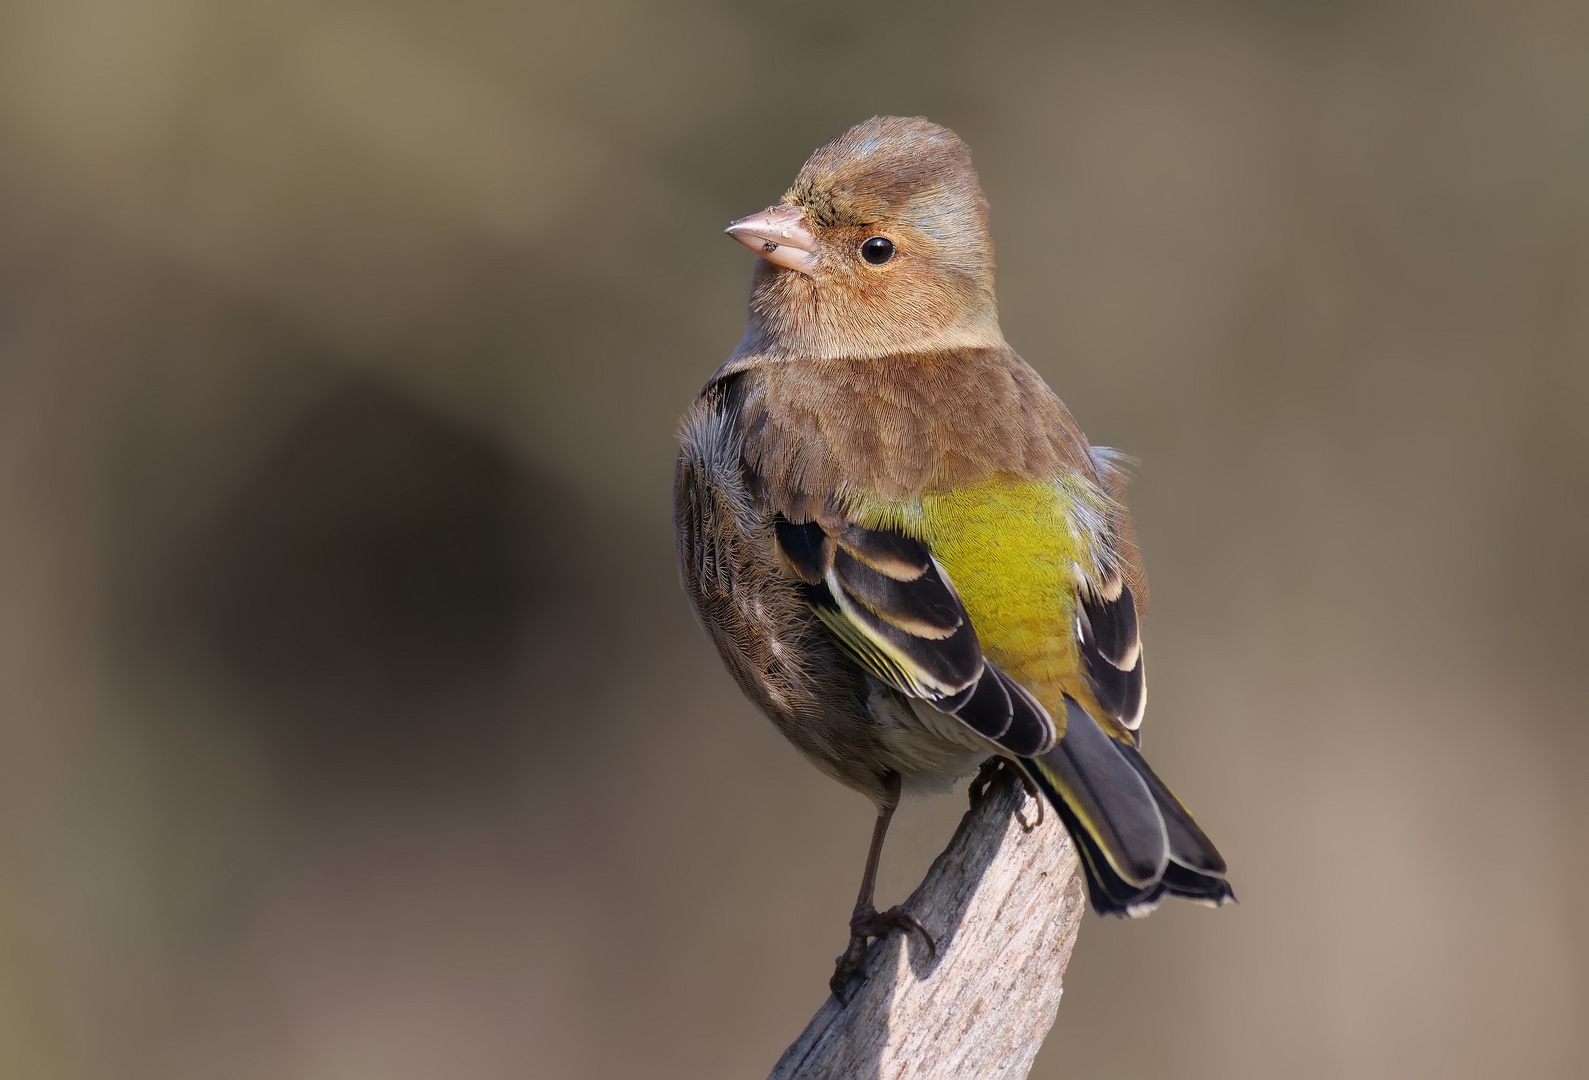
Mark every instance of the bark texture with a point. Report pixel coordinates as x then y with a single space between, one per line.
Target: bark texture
1004 903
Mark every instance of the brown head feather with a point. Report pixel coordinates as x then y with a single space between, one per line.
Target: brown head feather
907 180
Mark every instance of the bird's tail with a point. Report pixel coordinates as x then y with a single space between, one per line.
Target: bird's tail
1137 842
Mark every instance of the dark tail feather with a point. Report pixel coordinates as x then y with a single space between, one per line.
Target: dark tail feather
1196 870
1136 840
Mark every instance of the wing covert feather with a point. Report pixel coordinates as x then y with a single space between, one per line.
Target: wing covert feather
1111 649
894 608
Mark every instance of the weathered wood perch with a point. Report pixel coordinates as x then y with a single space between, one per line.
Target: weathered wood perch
1004 903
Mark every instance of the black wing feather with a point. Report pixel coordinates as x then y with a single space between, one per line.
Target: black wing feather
924 607
887 599
1111 650
985 706
901 557
1031 731
806 548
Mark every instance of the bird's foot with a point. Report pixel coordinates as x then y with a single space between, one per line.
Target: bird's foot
982 782
864 926
986 776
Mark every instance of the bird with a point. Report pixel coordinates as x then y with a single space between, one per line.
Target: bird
904 549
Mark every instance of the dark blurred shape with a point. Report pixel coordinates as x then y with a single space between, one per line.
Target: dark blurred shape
380 560
380 544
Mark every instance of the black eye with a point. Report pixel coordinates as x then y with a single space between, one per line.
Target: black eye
878 250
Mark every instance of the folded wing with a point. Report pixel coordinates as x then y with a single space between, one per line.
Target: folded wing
886 598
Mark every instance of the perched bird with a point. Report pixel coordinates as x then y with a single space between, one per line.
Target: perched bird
900 542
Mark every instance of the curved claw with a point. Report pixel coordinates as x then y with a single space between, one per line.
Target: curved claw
863 928
901 918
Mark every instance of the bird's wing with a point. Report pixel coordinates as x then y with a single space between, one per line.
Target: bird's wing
891 604
1111 649
1108 603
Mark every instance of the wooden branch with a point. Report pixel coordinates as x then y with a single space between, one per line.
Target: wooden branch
1004 904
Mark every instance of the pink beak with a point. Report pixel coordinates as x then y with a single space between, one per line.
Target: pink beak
779 235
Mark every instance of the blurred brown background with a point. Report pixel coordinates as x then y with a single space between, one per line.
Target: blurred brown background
352 723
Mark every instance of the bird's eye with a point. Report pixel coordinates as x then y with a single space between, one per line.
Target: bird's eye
878 250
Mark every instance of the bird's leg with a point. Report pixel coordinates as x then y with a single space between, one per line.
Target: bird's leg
983 780
867 922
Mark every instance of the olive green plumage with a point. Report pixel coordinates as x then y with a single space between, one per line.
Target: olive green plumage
899 540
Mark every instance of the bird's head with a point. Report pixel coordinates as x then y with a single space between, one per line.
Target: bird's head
880 247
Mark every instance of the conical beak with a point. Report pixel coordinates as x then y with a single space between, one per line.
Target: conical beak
779 235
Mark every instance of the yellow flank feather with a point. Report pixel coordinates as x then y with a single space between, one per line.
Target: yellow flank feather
1013 549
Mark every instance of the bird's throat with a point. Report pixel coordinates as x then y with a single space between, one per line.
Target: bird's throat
793 316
